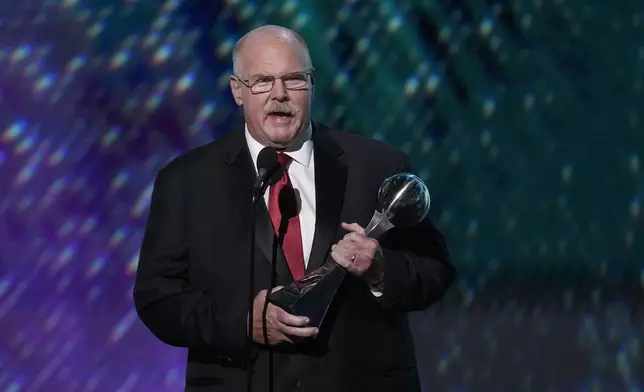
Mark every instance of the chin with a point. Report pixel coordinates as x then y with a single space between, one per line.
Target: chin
282 134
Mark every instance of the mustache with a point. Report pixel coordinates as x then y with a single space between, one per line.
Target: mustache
281 107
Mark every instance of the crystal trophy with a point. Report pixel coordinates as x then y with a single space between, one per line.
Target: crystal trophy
403 200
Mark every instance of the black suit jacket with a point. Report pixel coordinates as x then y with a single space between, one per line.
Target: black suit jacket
192 279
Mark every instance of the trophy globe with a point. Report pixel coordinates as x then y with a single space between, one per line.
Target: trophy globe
403 200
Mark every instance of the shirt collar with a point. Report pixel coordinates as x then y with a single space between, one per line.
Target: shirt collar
300 150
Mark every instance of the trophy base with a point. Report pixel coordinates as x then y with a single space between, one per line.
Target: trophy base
312 295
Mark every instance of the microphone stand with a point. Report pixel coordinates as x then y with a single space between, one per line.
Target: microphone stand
251 295
257 195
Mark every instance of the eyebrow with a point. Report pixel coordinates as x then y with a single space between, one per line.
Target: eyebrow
271 76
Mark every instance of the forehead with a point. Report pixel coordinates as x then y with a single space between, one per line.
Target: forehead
273 55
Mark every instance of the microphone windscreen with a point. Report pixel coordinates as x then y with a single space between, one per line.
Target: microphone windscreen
267 159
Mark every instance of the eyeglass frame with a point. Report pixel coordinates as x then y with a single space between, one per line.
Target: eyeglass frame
309 72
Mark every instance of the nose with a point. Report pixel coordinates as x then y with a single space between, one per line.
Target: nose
279 91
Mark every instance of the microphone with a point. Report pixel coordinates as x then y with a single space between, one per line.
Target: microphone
269 171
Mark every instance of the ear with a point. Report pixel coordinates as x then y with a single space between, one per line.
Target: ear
235 88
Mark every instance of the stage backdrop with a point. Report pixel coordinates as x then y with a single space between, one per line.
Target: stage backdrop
525 118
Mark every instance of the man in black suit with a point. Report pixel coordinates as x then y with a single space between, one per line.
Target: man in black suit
192 279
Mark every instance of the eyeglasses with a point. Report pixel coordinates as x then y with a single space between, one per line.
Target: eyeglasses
264 84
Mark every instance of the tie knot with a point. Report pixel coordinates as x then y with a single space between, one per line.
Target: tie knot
284 160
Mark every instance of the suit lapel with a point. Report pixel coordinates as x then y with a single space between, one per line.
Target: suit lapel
330 180
238 179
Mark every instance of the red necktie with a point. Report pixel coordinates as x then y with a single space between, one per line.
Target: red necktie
282 196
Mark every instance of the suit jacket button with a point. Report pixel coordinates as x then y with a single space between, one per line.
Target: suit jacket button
298 385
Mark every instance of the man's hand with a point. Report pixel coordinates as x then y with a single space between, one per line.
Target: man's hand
357 253
281 326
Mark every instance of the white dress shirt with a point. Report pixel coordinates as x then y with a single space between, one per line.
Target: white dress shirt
302 174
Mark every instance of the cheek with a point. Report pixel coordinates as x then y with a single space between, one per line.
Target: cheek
303 103
255 107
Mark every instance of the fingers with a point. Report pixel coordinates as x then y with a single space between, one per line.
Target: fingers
290 319
355 238
355 252
356 234
306 332
343 255
282 326
361 242
292 325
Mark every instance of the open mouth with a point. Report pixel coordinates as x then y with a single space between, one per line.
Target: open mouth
281 114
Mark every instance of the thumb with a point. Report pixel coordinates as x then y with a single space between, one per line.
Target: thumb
354 227
277 288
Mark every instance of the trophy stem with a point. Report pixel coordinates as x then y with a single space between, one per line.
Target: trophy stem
378 225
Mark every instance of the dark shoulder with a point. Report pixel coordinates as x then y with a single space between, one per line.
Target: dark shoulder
187 161
365 148
197 158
